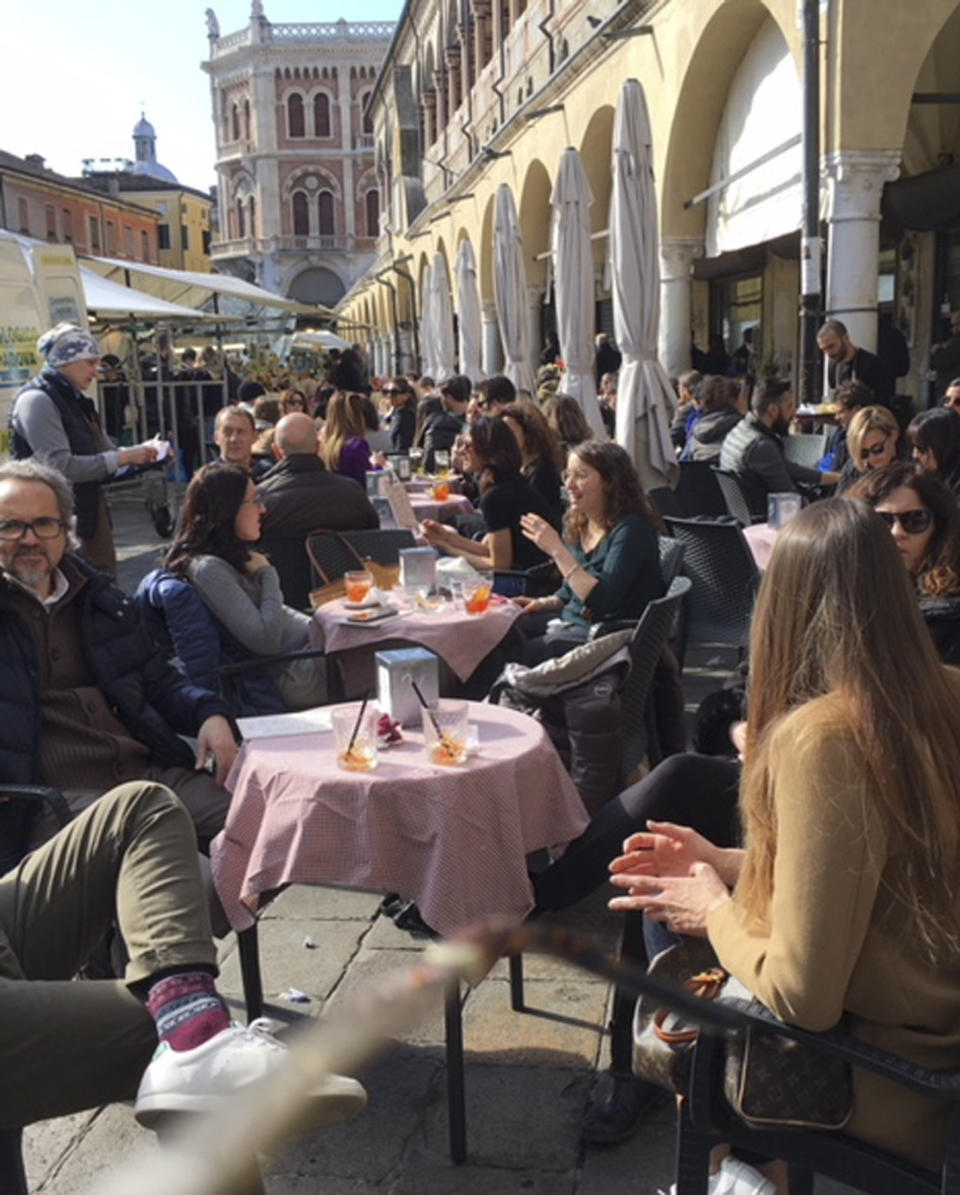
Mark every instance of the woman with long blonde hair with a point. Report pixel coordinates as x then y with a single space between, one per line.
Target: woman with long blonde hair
846 898
345 448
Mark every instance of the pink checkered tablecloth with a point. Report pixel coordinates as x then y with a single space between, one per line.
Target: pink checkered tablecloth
425 506
761 537
460 639
454 839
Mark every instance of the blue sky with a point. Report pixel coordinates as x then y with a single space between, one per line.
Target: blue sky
74 76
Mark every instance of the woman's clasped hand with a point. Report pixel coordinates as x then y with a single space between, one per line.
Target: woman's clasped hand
673 875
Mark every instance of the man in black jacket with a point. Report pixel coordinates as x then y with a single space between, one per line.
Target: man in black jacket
301 495
86 700
849 363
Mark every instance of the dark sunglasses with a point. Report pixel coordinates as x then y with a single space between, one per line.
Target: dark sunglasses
912 522
391 390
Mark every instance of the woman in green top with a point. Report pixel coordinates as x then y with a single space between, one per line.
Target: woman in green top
609 556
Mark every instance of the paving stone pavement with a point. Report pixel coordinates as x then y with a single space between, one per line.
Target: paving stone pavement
527 1074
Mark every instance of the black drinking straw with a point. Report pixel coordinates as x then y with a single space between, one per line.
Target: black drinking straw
423 701
353 737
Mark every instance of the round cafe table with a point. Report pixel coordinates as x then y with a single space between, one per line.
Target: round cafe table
453 838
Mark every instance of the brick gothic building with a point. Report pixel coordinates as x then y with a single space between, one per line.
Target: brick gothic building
298 195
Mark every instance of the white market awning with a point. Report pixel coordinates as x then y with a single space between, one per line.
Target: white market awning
196 290
110 300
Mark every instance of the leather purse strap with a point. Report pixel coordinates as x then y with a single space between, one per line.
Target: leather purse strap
706 985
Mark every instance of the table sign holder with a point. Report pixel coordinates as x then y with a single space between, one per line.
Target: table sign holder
398 672
418 569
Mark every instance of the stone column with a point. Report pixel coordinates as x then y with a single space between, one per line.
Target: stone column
491 351
855 181
429 117
405 348
676 268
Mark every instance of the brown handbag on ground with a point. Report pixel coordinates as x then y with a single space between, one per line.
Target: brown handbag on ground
769 1080
385 576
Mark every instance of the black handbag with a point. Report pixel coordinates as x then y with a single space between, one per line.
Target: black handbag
769 1080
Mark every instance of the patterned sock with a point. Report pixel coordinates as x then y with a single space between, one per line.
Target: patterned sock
188 1009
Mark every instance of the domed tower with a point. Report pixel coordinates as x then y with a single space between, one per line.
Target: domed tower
145 152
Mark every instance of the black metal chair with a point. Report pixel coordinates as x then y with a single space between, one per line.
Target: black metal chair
671 558
725 580
705 1119
737 506
698 491
33 799
664 500
805 449
289 557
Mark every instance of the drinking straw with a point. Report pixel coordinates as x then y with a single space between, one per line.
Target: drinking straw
423 701
353 737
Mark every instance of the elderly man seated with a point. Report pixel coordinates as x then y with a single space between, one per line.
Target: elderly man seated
234 431
71 1046
86 700
302 495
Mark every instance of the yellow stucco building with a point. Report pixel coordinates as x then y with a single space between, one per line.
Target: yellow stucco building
473 95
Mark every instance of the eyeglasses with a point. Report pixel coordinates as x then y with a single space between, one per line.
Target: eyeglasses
11 529
388 390
876 450
256 500
912 522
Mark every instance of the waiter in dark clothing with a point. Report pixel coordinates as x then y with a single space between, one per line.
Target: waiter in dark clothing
848 363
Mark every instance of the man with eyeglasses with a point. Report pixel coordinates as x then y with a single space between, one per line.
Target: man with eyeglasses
86 699
495 394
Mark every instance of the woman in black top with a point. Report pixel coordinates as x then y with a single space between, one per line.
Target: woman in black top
925 522
402 420
934 437
539 451
491 454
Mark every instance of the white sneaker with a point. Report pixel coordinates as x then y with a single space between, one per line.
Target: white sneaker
735 1178
178 1081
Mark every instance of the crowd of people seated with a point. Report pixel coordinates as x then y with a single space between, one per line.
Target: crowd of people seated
816 851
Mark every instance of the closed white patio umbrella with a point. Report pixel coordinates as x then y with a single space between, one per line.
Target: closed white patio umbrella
574 289
468 311
442 311
510 291
428 334
644 394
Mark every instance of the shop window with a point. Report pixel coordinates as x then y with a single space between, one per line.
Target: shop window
325 213
373 213
295 122
301 215
737 304
321 115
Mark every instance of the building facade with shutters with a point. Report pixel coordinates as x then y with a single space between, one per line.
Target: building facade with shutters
299 199
38 202
477 94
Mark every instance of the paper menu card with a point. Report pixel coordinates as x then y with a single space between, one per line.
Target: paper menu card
273 726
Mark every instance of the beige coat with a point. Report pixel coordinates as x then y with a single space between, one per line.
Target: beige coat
838 941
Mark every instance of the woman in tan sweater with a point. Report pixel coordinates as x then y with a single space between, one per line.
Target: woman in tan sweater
847 896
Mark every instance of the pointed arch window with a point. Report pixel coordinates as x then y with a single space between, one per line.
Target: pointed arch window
235 122
325 213
301 215
321 114
373 213
295 122
241 222
246 119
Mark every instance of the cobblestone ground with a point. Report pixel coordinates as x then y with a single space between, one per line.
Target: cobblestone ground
527 1075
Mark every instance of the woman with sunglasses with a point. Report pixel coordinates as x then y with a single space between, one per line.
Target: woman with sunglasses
934 437
873 442
924 519
402 420
214 556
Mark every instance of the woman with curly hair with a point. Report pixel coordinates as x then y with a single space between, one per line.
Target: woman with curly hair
608 557
539 450
924 519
